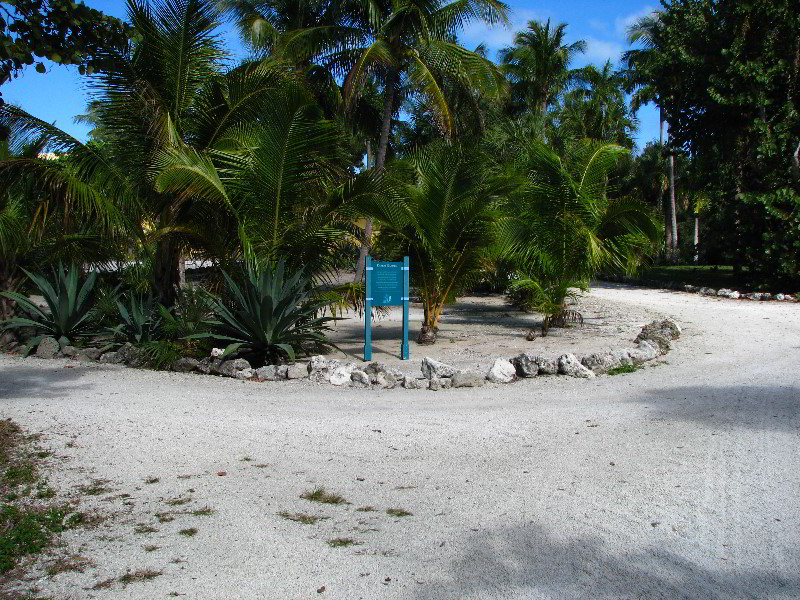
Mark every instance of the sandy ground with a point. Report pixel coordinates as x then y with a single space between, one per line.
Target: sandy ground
477 329
678 481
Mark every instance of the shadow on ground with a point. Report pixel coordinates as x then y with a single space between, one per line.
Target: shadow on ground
530 561
760 408
44 382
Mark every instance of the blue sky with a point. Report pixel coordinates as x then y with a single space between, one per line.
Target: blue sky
60 94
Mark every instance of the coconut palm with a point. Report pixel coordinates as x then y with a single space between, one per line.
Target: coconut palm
538 65
567 226
407 46
165 94
444 215
597 108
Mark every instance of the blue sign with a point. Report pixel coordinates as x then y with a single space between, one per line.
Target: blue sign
386 285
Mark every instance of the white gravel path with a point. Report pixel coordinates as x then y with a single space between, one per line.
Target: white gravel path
678 481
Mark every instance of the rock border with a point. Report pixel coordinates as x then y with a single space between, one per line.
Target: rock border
655 339
702 290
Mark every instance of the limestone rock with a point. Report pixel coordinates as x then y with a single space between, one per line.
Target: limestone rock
359 377
297 371
645 350
690 288
569 365
467 379
217 352
273 372
724 292
244 374
111 358
526 365
320 368
340 376
777 297
231 368
88 354
502 371
602 362
434 384
47 348
432 368
69 351
707 291
385 380
129 354
412 383
186 365
734 295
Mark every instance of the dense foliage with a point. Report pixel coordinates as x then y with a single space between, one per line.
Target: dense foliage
518 176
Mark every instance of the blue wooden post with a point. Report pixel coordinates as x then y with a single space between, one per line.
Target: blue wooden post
368 310
406 299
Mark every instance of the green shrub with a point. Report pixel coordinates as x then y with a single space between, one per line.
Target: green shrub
271 316
69 300
141 319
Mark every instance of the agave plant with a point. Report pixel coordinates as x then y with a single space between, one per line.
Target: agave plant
141 319
271 317
69 300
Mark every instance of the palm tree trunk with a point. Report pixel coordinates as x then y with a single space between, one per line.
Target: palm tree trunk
696 238
166 271
380 161
672 212
362 253
7 284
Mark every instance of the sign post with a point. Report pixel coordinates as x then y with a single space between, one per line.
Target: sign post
387 284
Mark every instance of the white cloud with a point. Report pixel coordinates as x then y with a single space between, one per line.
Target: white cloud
498 36
621 24
599 51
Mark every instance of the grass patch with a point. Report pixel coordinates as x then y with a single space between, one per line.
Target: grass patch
151 548
303 518
139 575
246 459
178 501
103 584
144 529
367 509
342 542
25 531
96 488
165 517
622 369
398 512
205 511
188 532
67 564
28 523
151 480
319 494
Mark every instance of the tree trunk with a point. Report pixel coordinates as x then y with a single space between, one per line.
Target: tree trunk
166 271
383 146
7 284
362 253
696 238
672 211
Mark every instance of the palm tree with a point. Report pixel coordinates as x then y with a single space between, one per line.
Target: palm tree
165 94
644 31
44 215
567 225
444 215
407 46
538 65
597 108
